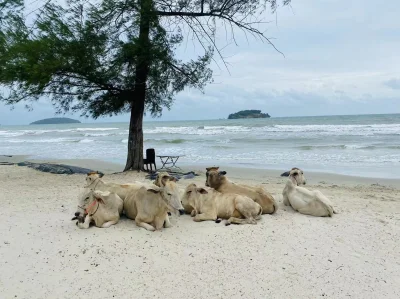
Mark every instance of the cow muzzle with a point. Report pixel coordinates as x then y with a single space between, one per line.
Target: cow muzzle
181 212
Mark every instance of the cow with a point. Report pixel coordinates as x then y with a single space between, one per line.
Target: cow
216 179
94 182
101 207
149 207
304 201
209 204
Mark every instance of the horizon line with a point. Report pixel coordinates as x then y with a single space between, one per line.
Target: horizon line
213 119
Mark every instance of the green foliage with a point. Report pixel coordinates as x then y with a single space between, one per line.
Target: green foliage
248 114
83 57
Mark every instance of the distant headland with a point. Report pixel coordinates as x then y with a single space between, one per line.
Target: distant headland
248 114
56 120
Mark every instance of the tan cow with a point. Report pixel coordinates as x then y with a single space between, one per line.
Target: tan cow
209 204
94 182
149 207
304 201
216 179
102 208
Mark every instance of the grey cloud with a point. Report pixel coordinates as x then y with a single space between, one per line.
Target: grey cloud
332 65
393 83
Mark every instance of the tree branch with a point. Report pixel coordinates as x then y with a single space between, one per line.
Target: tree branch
219 13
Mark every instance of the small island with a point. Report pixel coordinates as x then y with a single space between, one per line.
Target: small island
248 114
55 121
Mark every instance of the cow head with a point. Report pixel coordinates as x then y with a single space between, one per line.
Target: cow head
93 177
215 178
208 169
296 175
170 194
287 173
192 194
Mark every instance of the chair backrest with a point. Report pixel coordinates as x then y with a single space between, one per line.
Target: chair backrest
150 155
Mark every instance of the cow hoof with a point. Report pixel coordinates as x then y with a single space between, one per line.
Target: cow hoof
218 220
169 213
77 223
227 223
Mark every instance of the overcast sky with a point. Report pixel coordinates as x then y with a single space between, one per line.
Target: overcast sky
341 57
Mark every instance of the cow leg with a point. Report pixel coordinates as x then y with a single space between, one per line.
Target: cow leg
159 222
286 201
109 223
243 208
234 220
167 223
145 225
204 217
85 224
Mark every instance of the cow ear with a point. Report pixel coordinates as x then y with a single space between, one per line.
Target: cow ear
173 179
209 168
153 189
99 200
285 173
164 179
222 173
202 190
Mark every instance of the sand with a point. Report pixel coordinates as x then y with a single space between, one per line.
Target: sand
355 254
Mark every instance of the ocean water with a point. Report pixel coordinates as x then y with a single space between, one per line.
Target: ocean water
363 145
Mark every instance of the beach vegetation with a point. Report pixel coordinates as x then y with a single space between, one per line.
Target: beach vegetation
248 114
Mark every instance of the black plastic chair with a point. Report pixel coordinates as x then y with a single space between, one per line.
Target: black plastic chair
150 159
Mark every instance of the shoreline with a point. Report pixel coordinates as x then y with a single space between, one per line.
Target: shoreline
234 173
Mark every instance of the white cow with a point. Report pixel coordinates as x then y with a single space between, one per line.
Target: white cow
101 207
304 201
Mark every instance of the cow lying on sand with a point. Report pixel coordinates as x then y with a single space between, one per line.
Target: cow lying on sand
102 208
211 205
216 179
304 201
149 207
94 182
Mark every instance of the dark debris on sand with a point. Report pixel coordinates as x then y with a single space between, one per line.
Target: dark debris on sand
175 174
56 168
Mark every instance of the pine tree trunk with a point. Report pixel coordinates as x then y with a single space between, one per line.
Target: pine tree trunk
135 139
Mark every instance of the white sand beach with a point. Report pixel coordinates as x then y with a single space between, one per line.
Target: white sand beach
355 254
